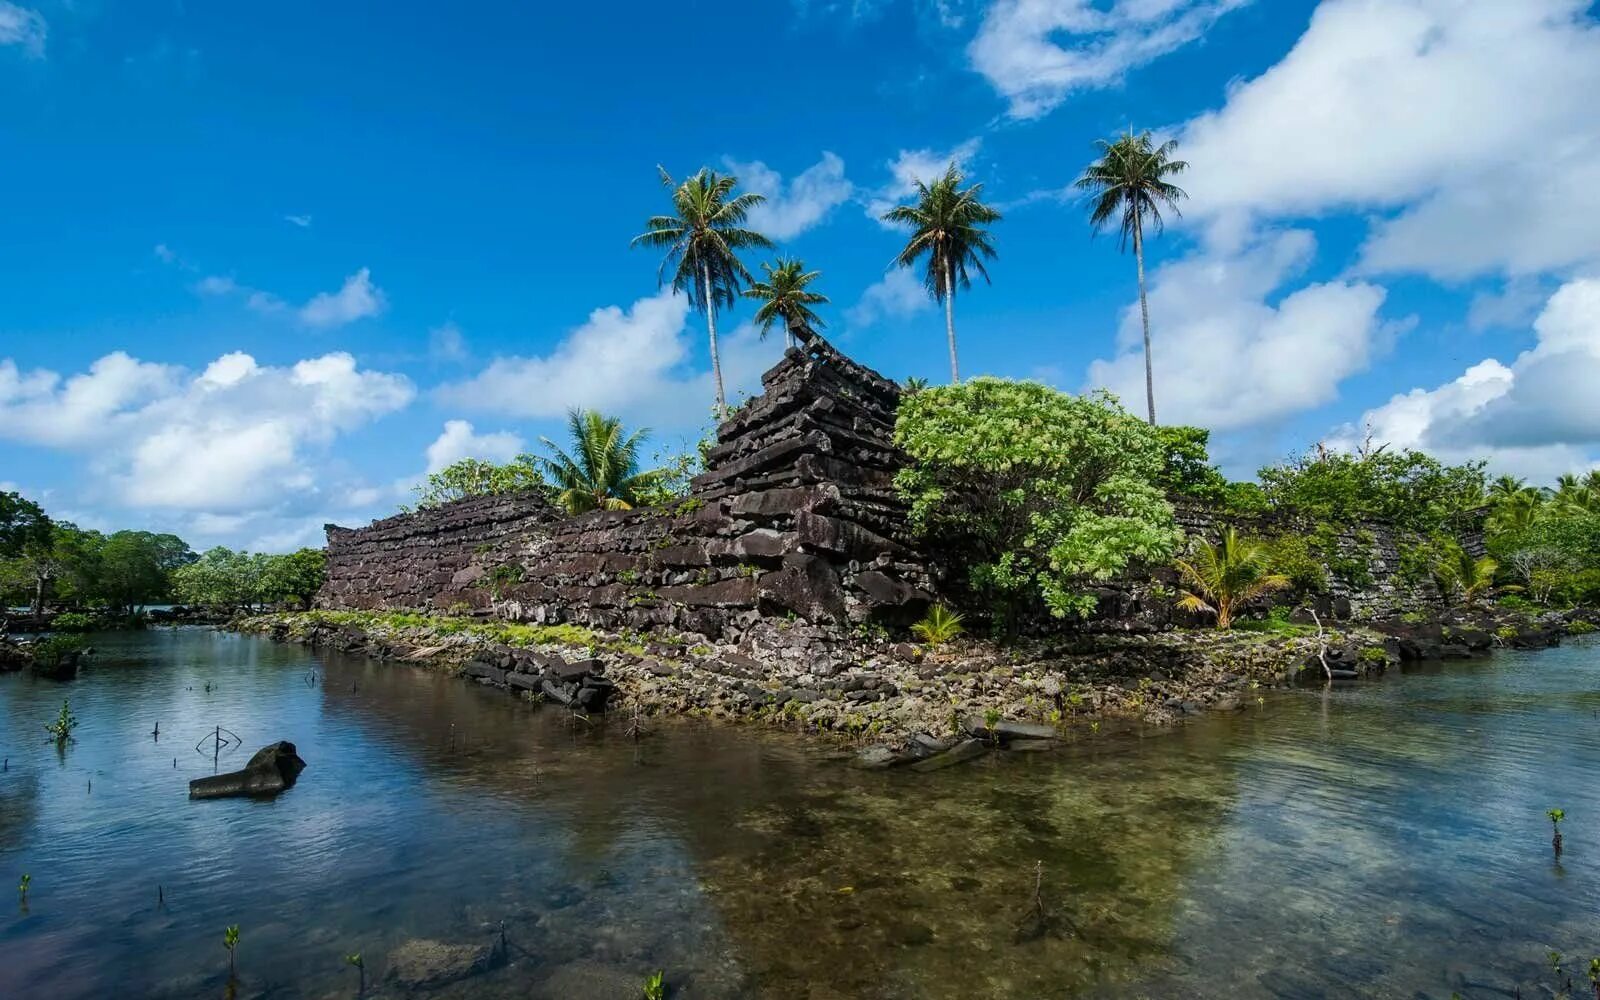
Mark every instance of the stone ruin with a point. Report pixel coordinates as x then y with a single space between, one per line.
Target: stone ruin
794 517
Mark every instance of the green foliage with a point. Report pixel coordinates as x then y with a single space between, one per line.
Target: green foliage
1581 628
1186 464
473 477
785 296
655 987
602 473
702 238
1033 492
22 524
72 621
1408 489
938 626
22 886
1290 556
1220 578
1556 816
223 578
51 651
61 729
1461 577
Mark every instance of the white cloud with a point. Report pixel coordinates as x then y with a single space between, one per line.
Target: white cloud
898 293
458 440
230 439
1225 357
1472 120
357 298
1037 53
302 221
805 202
912 165
446 342
1538 416
22 27
629 362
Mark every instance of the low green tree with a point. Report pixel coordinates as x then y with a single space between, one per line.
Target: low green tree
474 477
1032 493
602 470
1220 578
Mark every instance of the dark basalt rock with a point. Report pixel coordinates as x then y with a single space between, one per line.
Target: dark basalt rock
270 770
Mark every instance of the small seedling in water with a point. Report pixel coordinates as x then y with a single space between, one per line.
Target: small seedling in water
361 970
1594 976
61 729
230 941
22 887
655 988
1556 816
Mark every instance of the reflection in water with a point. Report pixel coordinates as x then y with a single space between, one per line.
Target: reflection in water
1384 840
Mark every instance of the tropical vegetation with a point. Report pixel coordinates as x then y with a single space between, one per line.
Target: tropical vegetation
1222 577
602 471
1128 186
786 297
1032 494
702 238
949 239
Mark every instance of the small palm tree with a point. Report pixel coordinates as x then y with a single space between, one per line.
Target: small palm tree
603 470
1506 487
913 385
1220 578
1129 184
702 238
947 225
785 297
1517 512
1461 577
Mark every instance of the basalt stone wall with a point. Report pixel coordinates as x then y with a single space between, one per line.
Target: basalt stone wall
794 517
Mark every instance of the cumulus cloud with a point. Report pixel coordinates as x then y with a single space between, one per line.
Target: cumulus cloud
231 438
804 202
1037 53
357 298
22 27
912 165
631 362
446 342
1538 416
898 293
1471 122
458 440
1225 357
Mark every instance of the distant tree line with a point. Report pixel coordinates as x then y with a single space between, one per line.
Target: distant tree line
46 563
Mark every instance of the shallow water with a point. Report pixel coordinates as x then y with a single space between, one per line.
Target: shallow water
1385 840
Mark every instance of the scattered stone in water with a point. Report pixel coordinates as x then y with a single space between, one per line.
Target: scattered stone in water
420 964
1008 729
270 770
958 754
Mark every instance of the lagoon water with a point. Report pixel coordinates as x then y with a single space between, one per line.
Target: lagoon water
1381 840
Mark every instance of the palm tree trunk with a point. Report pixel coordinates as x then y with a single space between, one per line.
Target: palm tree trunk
711 326
1144 311
950 322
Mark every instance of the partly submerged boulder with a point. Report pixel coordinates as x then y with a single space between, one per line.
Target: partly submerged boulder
270 770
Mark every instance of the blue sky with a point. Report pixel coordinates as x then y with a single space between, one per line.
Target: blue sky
262 267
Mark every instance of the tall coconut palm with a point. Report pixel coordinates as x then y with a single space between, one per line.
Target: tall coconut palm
1220 578
947 225
1129 184
602 472
702 238
784 296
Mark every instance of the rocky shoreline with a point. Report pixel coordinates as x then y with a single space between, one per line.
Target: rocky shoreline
900 702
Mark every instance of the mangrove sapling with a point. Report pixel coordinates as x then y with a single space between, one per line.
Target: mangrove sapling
61 729
22 888
1594 976
1556 816
230 941
361 970
655 988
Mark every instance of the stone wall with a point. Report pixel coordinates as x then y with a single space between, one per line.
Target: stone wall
795 516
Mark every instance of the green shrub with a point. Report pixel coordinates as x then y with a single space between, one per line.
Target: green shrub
72 621
1291 556
939 626
1033 493
1581 628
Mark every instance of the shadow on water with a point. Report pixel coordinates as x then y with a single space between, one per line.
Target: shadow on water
1381 840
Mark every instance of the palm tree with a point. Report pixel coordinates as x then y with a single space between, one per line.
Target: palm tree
1461 576
701 238
947 224
603 470
1220 578
1517 513
1129 183
1506 487
784 296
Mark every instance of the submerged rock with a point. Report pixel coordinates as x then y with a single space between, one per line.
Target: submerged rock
421 964
270 770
